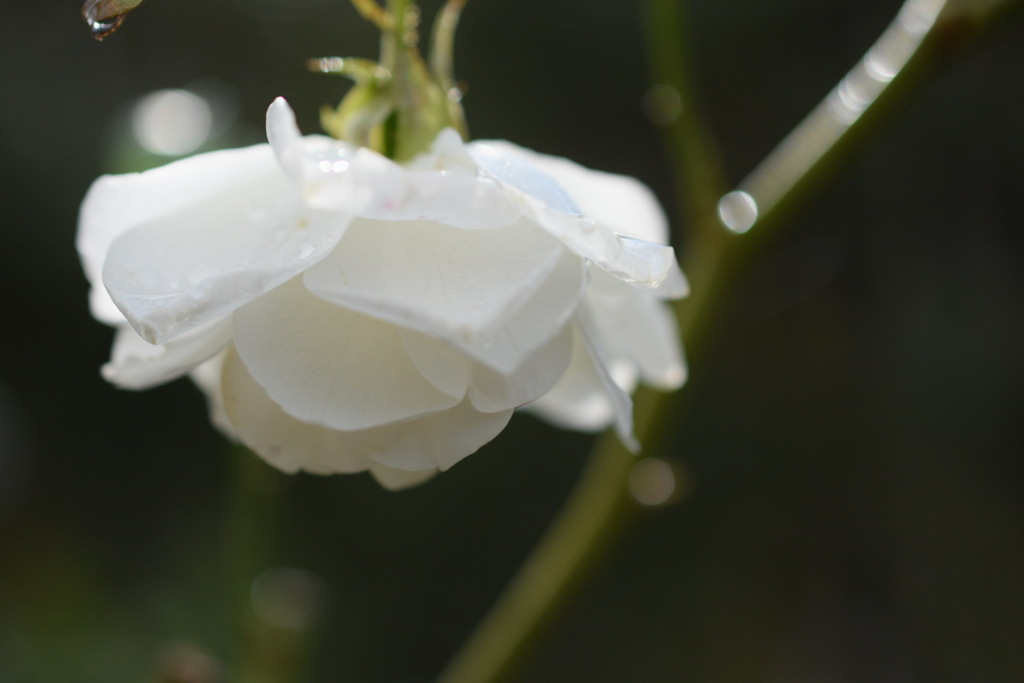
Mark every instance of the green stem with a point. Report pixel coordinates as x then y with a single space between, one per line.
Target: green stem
598 508
585 523
263 652
924 35
691 144
441 59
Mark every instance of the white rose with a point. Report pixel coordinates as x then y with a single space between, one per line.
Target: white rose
343 312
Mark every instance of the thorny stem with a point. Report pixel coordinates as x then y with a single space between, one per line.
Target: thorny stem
598 508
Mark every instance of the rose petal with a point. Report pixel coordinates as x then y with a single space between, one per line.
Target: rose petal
577 400
587 397
512 166
643 264
603 207
207 376
620 202
174 273
439 440
417 446
447 152
281 440
335 176
634 325
620 399
118 203
435 278
331 366
504 345
137 364
444 365
491 391
395 480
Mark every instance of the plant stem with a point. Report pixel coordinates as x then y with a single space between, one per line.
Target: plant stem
598 508
570 544
263 652
692 147
923 36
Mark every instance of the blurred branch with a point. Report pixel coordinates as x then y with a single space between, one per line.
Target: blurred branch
675 103
924 35
588 521
600 505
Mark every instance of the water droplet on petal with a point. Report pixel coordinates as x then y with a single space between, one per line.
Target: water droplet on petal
305 251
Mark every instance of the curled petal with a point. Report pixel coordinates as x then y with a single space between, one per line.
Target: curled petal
137 364
620 202
179 271
613 221
335 176
619 396
578 399
513 167
416 448
117 203
331 366
638 328
587 397
643 264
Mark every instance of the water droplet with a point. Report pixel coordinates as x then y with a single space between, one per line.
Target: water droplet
738 211
327 166
105 16
102 29
305 251
326 65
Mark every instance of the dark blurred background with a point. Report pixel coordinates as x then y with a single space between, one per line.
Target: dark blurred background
854 435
